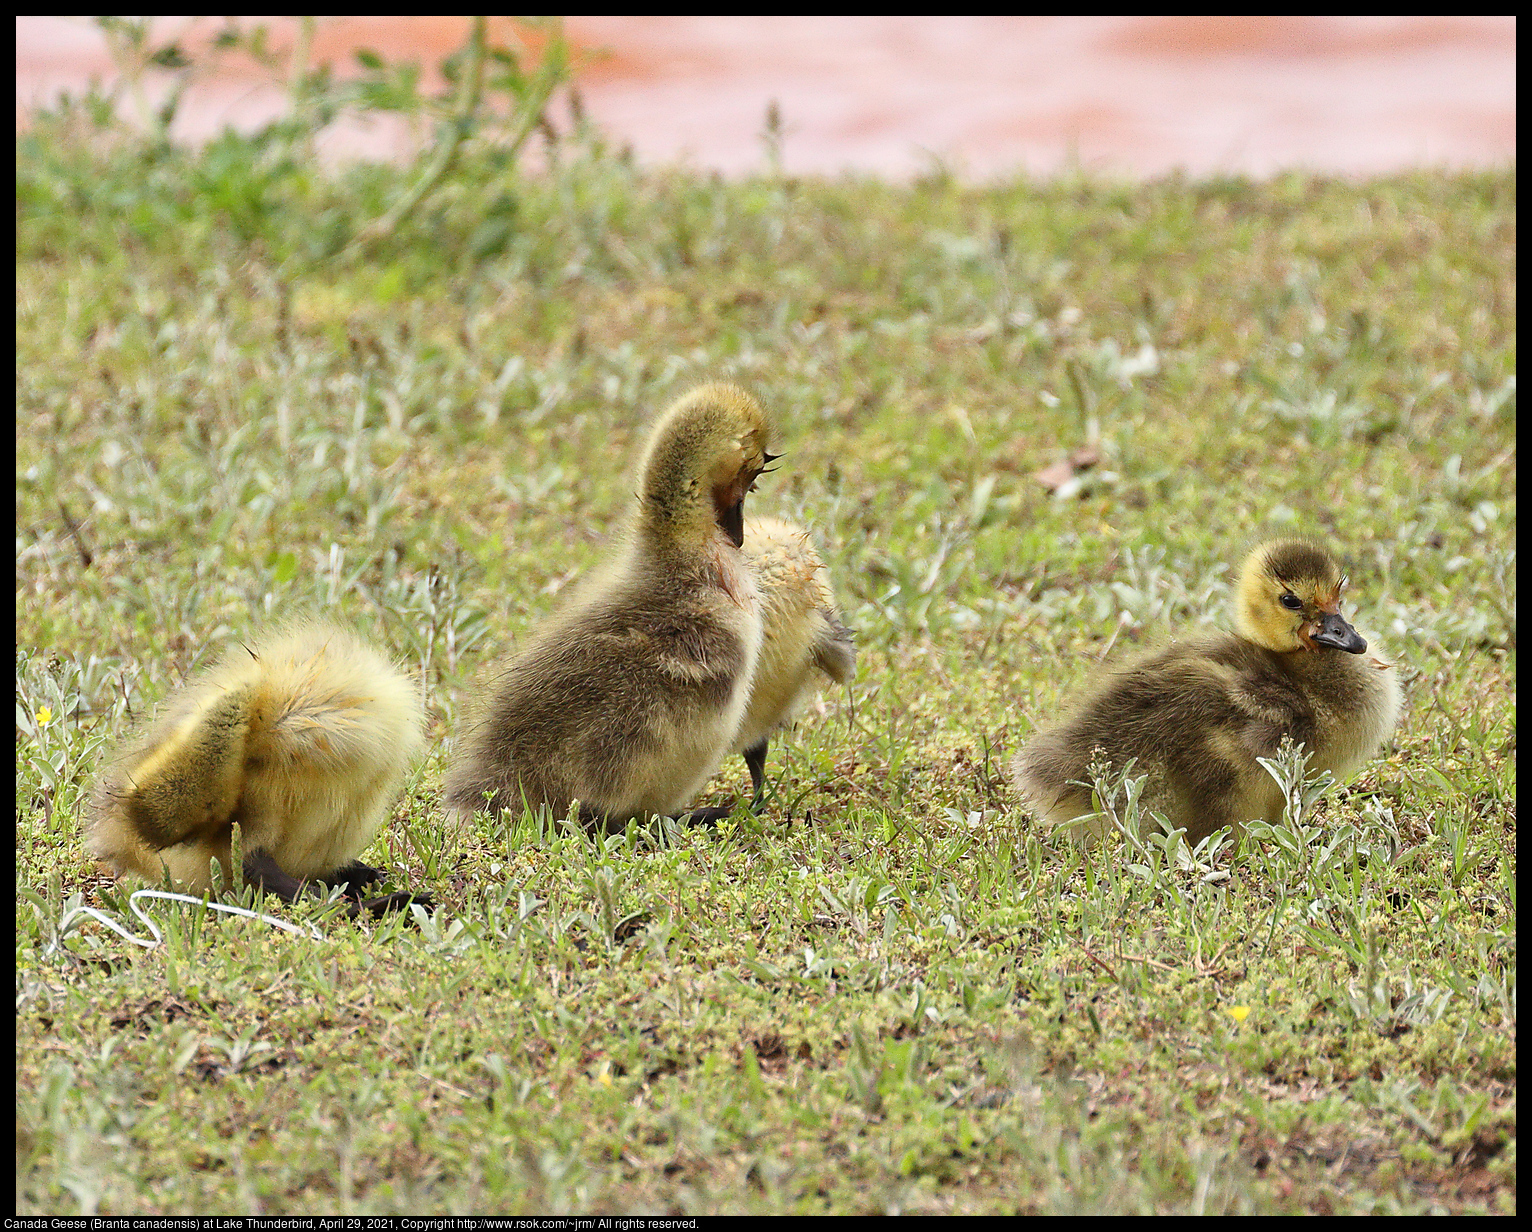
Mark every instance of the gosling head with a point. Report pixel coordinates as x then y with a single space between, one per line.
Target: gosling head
704 455
1289 599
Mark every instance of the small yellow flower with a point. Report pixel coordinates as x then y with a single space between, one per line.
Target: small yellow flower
604 1074
1238 1012
43 716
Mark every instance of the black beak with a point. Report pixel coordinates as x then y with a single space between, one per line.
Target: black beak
1334 632
731 518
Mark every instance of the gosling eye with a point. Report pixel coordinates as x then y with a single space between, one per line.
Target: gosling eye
1291 601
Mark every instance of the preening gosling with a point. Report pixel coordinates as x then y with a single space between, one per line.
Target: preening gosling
1198 713
628 699
802 636
302 739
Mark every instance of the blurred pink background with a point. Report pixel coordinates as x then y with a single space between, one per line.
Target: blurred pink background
1137 96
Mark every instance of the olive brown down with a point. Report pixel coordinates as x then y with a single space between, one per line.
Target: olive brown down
628 698
1197 714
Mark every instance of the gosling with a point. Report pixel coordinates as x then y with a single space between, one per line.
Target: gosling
802 639
1198 713
301 740
628 699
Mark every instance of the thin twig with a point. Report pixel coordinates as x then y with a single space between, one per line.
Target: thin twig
1123 620
74 533
1138 958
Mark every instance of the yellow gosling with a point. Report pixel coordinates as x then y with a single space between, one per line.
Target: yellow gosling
302 739
803 640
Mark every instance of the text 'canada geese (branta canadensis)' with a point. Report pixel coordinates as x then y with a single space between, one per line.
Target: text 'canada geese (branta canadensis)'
802 636
628 699
1198 713
302 739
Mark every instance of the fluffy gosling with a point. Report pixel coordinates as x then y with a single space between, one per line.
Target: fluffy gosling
628 699
302 740
802 639
1198 713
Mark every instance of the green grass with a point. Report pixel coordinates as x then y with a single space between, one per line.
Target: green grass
893 992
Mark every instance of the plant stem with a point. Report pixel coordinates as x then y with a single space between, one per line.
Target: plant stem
469 89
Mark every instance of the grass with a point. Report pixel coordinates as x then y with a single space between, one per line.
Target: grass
893 992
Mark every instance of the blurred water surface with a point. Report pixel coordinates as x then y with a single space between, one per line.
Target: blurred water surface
1136 95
